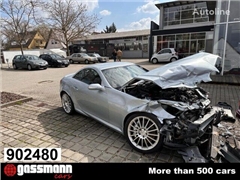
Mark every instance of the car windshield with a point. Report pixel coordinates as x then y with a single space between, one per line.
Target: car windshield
32 57
118 76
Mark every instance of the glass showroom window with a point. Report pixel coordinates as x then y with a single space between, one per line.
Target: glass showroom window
185 14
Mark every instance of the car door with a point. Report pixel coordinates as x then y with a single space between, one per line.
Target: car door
75 57
79 58
17 61
24 61
49 59
92 102
164 55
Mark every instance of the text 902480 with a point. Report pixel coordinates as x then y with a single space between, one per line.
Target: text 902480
32 154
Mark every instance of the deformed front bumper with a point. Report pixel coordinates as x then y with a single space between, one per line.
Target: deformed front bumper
218 148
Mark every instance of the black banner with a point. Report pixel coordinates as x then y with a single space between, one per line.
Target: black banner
115 170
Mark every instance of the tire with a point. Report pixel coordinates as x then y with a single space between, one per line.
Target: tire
154 60
71 61
29 67
142 131
173 59
67 104
15 66
86 61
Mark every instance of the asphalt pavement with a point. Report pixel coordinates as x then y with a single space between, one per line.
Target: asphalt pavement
41 122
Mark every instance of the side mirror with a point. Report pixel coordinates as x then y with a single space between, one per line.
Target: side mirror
96 87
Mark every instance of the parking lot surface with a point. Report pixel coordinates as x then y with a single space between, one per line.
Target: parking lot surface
41 122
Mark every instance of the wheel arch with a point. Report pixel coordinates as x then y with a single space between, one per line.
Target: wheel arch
153 59
132 113
134 142
65 92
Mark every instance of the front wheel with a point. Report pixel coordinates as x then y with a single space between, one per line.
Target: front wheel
86 61
154 61
67 103
143 133
14 66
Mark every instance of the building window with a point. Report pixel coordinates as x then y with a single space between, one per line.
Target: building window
185 14
185 44
234 14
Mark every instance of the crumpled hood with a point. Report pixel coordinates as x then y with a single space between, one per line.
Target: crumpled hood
186 72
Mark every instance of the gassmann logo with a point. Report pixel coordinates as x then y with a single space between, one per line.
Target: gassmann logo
216 11
43 168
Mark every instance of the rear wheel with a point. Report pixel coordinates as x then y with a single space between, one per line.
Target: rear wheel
154 60
86 61
143 133
173 59
29 67
67 103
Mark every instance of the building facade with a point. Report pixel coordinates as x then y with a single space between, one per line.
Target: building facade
187 26
33 40
134 44
227 34
194 26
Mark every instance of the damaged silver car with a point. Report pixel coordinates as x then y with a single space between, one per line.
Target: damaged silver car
163 107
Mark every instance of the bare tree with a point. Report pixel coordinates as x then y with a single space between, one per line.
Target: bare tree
70 20
17 18
44 30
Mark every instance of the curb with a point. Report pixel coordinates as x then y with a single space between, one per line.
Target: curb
16 102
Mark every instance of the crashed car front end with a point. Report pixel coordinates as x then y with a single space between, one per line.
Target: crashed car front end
189 120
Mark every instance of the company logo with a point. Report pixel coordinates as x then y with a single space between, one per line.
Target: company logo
10 170
21 169
216 11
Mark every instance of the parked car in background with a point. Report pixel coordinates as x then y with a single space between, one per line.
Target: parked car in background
234 71
55 60
164 55
81 58
100 58
163 107
29 62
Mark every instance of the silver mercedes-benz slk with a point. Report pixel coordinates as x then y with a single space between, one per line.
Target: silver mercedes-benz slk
163 107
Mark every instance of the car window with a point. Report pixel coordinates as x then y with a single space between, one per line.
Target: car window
165 51
119 76
84 55
88 76
55 56
31 58
17 57
168 51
